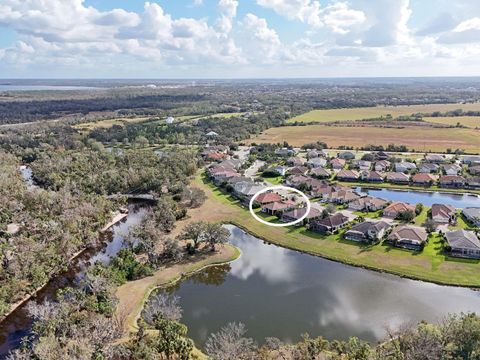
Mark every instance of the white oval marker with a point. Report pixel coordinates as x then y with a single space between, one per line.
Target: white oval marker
279 187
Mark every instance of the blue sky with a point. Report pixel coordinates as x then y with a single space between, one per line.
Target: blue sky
238 38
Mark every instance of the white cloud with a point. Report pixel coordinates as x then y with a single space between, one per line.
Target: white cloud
307 11
339 17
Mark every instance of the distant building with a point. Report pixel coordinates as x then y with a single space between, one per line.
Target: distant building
170 120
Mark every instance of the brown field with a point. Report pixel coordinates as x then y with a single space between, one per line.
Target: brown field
418 138
332 115
468 121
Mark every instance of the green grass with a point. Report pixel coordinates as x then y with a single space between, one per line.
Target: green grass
332 115
422 217
429 265
277 180
468 121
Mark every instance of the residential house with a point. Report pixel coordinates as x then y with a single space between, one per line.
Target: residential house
337 164
220 174
211 134
278 206
397 207
267 198
313 154
348 175
428 168
284 152
462 243
382 155
473 183
368 203
317 162
405 166
424 179
408 237
474 170
443 214
346 155
342 196
372 176
296 161
382 165
397 178
435 158
246 191
452 169
320 173
368 231
452 181
361 165
472 214
471 160
233 163
298 170
329 225
295 214
296 180
215 156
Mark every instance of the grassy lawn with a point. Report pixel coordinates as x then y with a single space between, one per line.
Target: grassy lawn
277 180
429 265
422 217
106 124
418 138
332 115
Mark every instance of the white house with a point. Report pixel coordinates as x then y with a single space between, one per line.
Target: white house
170 120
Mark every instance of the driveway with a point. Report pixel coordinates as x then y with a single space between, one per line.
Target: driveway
253 169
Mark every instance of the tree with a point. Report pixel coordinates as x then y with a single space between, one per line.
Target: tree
162 306
171 339
309 348
430 225
216 234
230 343
194 231
418 208
406 216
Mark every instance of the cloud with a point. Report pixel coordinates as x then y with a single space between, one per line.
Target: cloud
442 22
260 41
339 17
306 11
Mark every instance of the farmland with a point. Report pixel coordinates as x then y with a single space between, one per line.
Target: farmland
332 115
418 138
468 121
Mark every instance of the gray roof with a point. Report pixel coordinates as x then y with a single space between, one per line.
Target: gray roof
463 239
473 212
364 227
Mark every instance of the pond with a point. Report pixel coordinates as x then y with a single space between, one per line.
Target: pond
283 293
427 198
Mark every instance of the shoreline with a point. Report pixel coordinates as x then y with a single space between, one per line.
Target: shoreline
14 307
344 262
310 245
145 286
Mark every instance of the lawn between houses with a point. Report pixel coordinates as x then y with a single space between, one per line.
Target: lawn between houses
429 265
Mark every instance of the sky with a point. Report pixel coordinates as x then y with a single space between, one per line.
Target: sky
238 38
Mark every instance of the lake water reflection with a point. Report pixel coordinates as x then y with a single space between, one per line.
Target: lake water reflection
283 293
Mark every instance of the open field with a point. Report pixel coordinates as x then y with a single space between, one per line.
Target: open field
105 124
418 138
468 121
430 265
331 115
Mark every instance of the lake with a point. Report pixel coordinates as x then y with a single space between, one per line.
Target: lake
427 198
283 293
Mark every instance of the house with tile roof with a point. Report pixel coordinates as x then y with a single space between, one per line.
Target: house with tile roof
443 214
397 207
408 237
462 243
